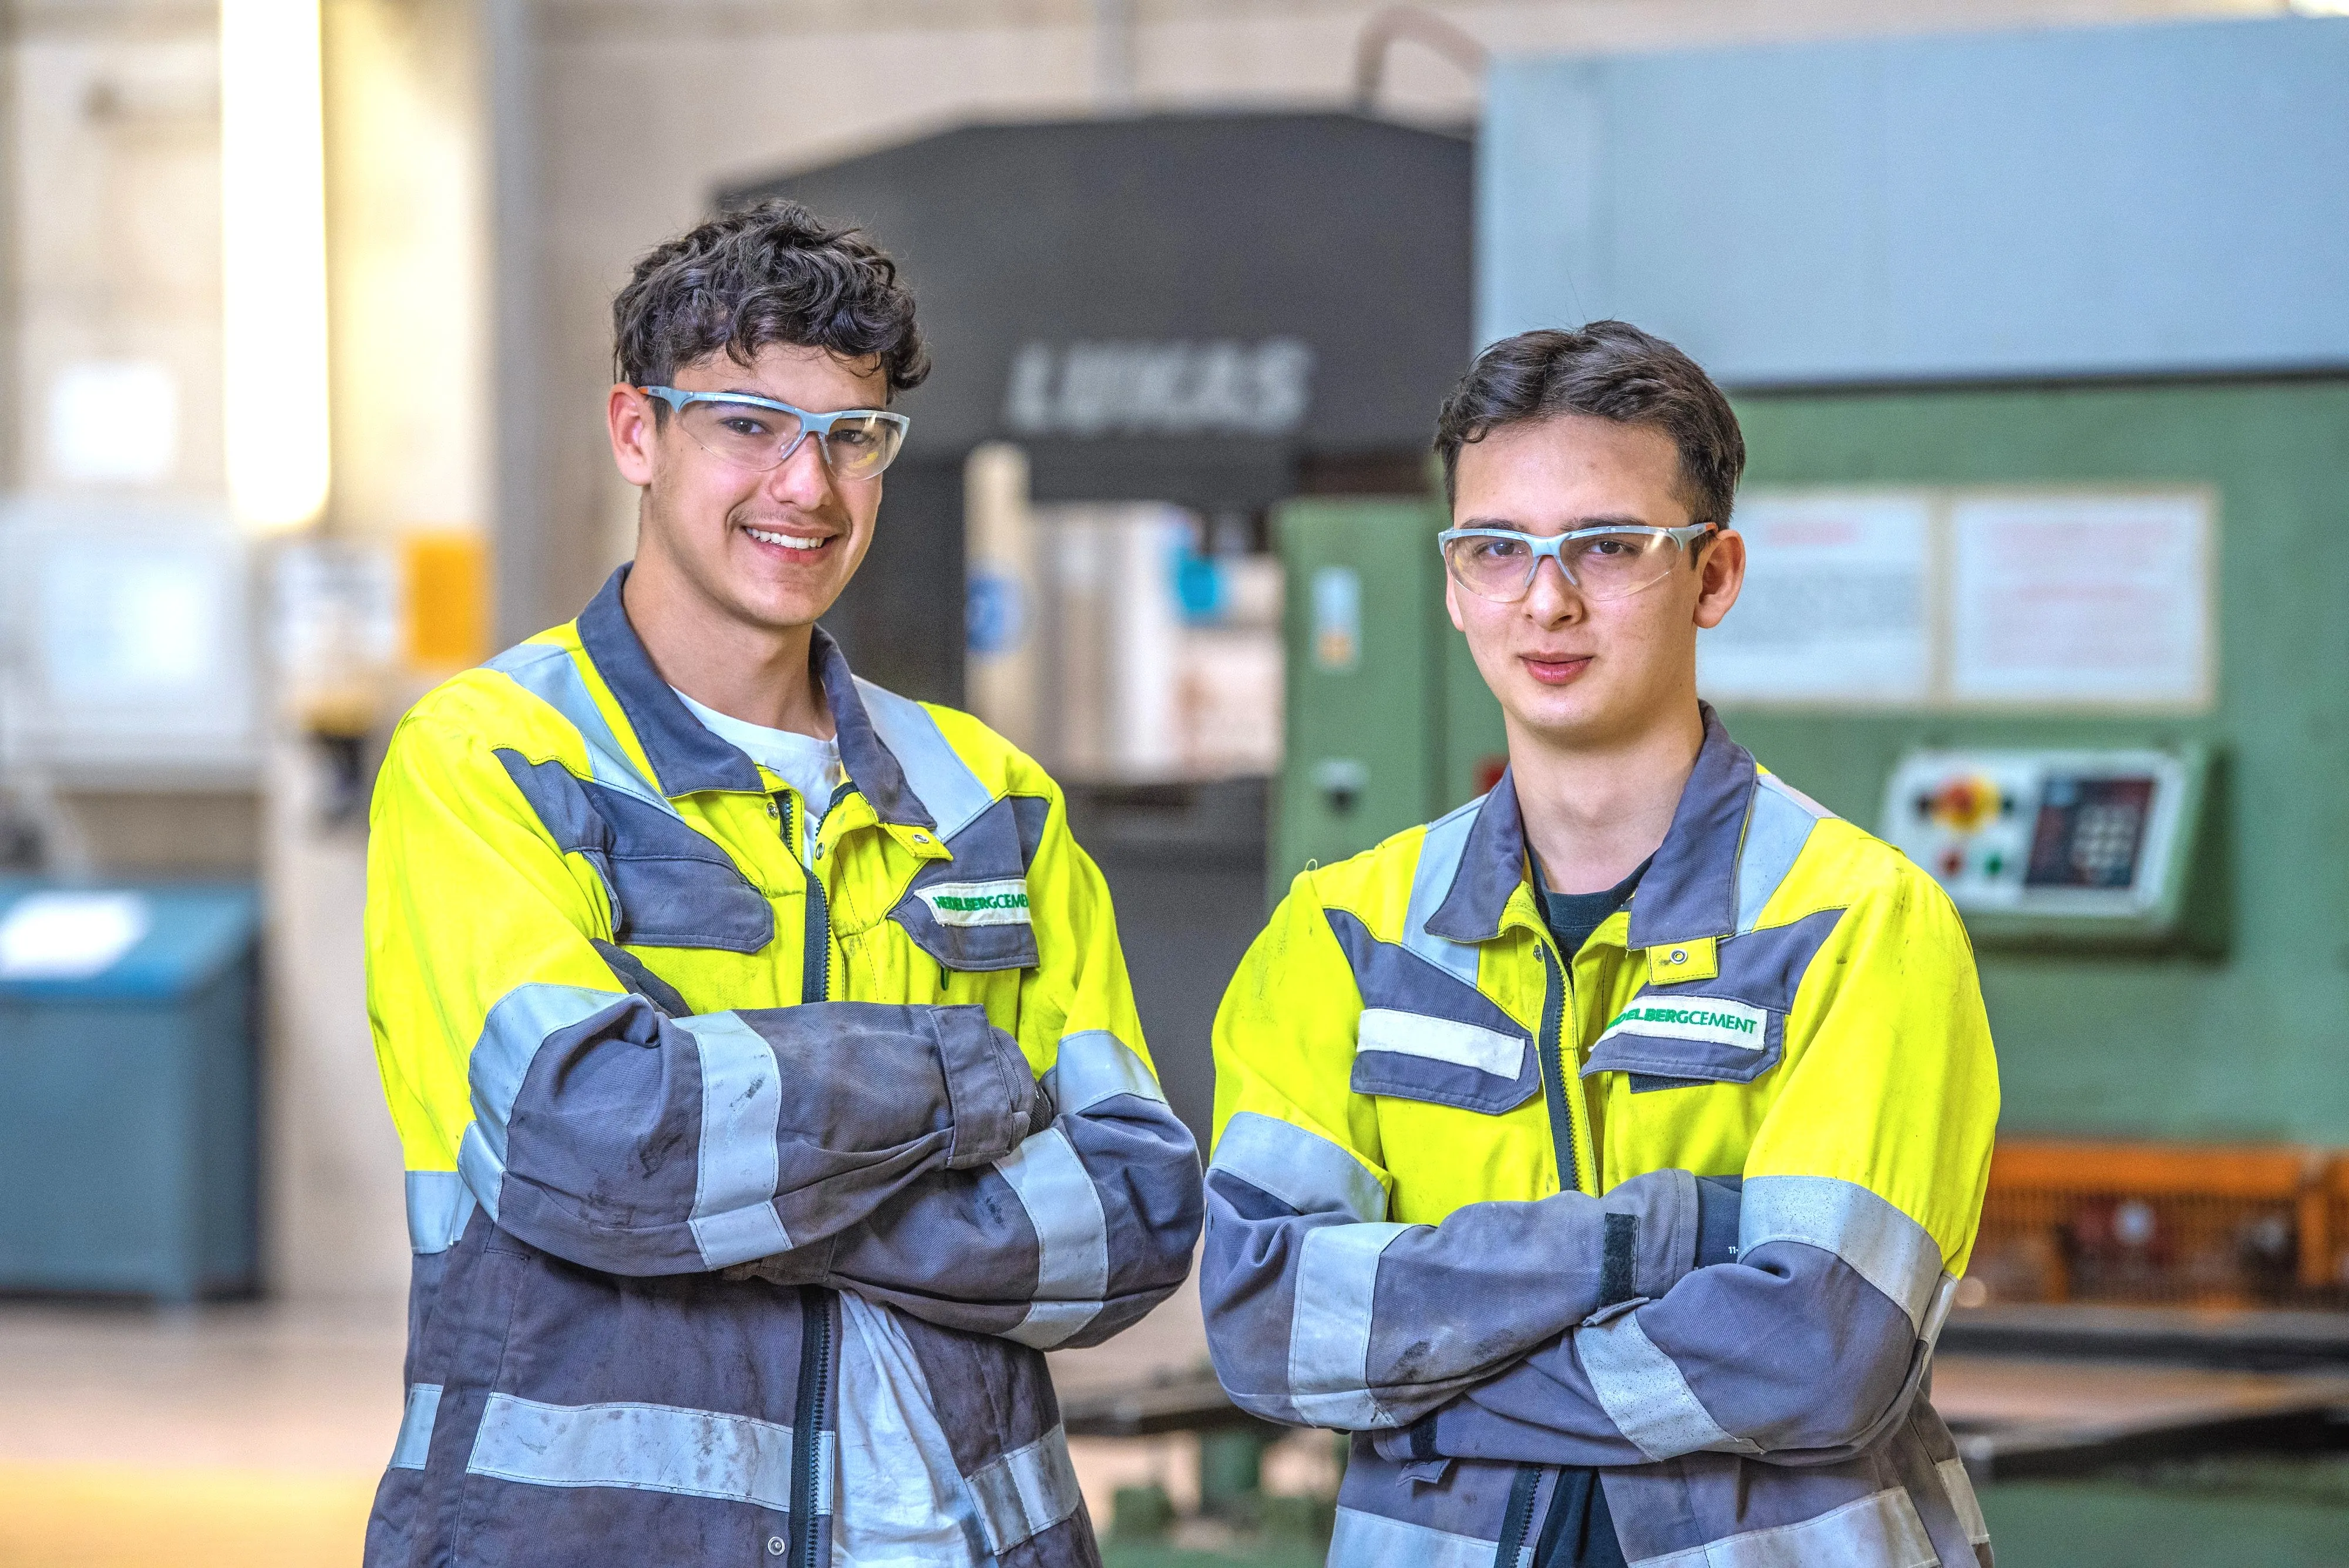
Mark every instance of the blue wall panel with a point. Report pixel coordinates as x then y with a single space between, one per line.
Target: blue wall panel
2120 201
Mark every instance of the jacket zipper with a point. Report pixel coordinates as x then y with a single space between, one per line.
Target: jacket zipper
1517 1524
1553 1071
815 973
815 1303
815 1368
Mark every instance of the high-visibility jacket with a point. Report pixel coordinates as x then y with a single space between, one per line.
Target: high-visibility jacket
1452 1206
667 1092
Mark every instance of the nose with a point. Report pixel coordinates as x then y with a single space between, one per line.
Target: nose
803 480
1552 599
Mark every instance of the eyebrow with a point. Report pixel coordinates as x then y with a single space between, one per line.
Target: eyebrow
1573 524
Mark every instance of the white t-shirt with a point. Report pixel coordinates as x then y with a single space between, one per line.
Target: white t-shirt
809 765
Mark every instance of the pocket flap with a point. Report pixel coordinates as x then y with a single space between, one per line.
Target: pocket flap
1418 1056
1708 1039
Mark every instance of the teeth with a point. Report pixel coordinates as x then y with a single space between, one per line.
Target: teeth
788 541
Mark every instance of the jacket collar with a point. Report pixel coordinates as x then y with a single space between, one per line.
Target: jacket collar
685 756
1691 889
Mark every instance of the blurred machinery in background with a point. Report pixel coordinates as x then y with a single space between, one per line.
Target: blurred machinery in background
187 711
2129 1224
1389 723
1153 334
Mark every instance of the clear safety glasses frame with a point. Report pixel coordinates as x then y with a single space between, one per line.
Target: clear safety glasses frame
1506 582
884 430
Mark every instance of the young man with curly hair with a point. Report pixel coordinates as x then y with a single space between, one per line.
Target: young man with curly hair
1603 1155
760 1040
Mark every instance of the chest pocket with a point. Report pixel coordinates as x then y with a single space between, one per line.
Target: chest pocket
1728 1029
1427 1036
972 913
1666 1040
668 886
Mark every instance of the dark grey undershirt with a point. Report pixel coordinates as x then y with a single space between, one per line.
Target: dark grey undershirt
1572 916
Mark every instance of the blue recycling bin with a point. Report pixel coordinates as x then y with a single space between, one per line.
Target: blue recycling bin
129 1121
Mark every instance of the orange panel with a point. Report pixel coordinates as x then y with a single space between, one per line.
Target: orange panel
2150 1169
446 576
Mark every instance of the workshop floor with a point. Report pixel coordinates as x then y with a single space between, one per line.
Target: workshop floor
252 1436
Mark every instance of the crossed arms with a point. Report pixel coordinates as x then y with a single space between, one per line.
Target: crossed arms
1611 1330
908 1153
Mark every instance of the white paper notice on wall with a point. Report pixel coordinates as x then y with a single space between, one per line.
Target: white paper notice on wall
1837 603
2099 599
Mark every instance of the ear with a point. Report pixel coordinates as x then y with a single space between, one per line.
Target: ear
1452 602
1721 572
629 415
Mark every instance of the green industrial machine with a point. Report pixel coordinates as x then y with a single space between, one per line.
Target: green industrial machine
2224 1011
1388 722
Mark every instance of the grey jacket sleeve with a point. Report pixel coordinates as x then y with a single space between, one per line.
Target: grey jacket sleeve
1065 1239
1321 1312
1801 1352
616 1137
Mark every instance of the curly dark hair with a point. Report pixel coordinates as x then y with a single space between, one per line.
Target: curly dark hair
1611 370
774 273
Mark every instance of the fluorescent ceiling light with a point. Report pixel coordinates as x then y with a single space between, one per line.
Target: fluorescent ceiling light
273 223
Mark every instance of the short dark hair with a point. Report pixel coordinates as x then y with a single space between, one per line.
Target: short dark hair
1610 370
774 273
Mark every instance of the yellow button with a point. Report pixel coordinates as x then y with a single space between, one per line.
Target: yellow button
1699 959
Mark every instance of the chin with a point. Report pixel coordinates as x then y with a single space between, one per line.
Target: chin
778 610
1568 714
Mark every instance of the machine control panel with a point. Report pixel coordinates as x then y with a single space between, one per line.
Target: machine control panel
2050 843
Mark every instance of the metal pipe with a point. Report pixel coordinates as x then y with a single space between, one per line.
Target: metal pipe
1422 26
1113 54
522 560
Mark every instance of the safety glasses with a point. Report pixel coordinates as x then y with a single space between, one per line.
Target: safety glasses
1500 564
760 433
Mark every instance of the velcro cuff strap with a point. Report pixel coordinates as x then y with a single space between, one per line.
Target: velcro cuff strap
989 1090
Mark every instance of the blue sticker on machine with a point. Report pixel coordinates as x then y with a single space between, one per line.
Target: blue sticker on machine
994 612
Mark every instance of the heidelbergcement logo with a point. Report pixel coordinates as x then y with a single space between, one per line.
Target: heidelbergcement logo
1715 1019
1003 903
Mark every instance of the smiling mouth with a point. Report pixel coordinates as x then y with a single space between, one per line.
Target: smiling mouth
788 541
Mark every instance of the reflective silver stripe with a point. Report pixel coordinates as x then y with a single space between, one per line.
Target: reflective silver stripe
1776 828
1329 1328
733 1218
1645 1393
1071 1236
1049 1325
1888 1249
1094 1066
1439 862
1440 1040
415 1440
1303 1169
517 1026
547 671
1025 1492
943 783
1879 1531
1945 1294
1374 1540
1960 1488
438 1207
641 1448
1771 781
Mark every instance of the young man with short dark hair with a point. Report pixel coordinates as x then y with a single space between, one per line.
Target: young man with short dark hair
1603 1156
760 1040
